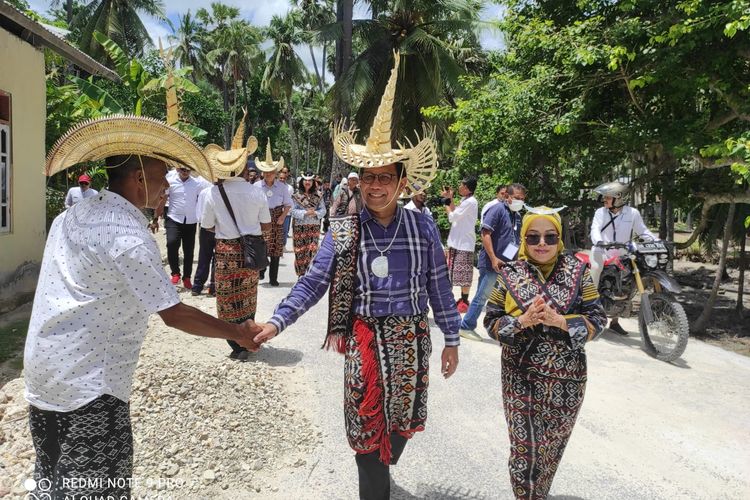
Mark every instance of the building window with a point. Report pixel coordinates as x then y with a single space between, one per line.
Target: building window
5 166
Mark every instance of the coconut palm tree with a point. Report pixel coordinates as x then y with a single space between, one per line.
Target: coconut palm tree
316 14
438 43
187 39
237 52
119 20
285 69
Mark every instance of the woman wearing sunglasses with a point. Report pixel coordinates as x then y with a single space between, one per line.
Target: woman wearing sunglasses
543 309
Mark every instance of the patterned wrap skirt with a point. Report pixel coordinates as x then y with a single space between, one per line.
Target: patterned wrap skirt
386 375
460 267
305 245
236 286
544 382
275 235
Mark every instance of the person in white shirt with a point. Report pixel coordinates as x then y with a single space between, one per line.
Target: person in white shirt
205 269
83 191
615 222
100 280
279 205
236 284
283 176
462 238
180 222
417 203
501 194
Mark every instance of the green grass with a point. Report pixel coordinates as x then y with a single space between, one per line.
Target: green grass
12 338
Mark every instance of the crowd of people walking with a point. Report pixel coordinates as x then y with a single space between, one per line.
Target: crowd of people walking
382 264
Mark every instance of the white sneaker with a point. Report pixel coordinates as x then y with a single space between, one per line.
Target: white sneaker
469 334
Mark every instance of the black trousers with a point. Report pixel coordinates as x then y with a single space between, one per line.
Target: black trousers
206 260
374 475
180 235
85 453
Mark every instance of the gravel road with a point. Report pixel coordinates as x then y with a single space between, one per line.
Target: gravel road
273 427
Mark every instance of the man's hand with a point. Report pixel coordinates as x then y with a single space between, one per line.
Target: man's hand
534 314
449 361
448 193
310 211
267 332
248 330
497 263
154 226
280 220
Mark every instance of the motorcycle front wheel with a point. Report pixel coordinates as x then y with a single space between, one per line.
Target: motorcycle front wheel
666 337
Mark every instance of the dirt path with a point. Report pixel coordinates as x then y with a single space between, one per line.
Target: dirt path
273 428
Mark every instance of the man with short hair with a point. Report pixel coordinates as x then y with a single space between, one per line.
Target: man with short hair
180 222
101 279
417 203
462 238
83 191
501 230
501 192
349 200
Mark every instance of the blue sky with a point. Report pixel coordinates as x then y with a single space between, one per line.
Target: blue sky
260 13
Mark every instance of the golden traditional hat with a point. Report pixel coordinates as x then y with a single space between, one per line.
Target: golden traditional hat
269 165
115 135
420 161
231 163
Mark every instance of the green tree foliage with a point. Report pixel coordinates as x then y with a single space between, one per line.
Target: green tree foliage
119 20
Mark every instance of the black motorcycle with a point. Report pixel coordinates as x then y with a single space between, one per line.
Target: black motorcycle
643 269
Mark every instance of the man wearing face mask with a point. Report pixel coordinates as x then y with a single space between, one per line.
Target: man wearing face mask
501 227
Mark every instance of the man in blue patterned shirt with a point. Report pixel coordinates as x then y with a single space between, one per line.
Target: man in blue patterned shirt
385 268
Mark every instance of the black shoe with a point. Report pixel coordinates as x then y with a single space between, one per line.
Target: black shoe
233 354
243 356
195 293
615 327
261 275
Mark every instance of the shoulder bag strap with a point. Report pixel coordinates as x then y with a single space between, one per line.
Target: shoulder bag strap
229 207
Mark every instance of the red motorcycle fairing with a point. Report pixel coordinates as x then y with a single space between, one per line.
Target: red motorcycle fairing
612 261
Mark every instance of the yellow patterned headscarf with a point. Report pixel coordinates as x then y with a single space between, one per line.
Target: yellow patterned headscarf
532 215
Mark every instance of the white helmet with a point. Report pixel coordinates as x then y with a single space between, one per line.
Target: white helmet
616 190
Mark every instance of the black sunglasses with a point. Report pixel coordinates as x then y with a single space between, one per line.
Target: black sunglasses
550 239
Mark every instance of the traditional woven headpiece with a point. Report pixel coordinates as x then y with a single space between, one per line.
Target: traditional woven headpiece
226 164
420 161
269 165
115 135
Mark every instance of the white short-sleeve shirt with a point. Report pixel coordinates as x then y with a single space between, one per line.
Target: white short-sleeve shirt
249 204
76 194
101 278
463 219
183 197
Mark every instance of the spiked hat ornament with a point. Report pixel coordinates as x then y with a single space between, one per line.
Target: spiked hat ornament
226 164
420 160
269 165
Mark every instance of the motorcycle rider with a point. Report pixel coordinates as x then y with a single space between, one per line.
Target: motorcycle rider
615 222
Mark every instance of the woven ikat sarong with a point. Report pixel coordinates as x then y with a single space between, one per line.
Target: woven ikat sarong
386 380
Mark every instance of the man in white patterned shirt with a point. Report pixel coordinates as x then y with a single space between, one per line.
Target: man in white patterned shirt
101 279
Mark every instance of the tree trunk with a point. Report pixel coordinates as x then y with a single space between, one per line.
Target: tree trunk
741 286
324 64
315 66
69 12
700 324
307 155
663 210
292 134
248 124
225 97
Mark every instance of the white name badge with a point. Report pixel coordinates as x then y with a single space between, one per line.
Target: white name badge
510 252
